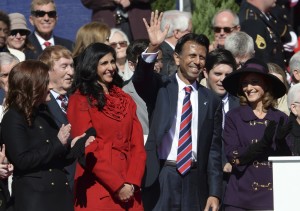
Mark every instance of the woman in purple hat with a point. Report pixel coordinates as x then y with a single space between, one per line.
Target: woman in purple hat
251 135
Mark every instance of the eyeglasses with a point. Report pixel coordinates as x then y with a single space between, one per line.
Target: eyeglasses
41 13
121 43
226 29
22 32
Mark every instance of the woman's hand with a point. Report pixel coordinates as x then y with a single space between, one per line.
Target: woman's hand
64 133
90 140
125 193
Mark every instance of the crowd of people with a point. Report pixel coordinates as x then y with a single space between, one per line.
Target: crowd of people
140 113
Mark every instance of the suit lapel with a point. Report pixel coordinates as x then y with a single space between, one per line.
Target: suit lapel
58 115
203 105
33 39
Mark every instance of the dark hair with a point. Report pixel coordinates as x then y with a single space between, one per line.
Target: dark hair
136 48
219 56
5 18
86 76
198 38
28 83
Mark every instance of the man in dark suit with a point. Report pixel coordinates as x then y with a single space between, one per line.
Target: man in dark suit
199 185
43 18
220 63
60 61
180 24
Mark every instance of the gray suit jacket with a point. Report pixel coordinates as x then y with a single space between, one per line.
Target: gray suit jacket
141 111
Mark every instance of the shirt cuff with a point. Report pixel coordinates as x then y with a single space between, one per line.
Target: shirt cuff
149 57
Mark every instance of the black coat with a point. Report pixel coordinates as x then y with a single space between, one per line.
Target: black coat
39 158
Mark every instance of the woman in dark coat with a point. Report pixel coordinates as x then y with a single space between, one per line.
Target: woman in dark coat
250 136
37 148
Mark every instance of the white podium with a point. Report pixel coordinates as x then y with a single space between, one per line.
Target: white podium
286 182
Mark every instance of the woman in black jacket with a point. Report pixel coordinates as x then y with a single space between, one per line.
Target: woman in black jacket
37 148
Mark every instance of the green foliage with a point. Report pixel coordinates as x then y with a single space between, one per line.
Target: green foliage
204 11
163 5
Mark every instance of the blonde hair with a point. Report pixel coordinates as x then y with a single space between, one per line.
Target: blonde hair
54 53
268 100
41 2
90 33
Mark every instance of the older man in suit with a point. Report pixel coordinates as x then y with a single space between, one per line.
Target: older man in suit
184 142
43 18
60 61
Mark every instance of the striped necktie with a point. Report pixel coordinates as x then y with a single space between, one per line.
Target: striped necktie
47 43
184 152
64 102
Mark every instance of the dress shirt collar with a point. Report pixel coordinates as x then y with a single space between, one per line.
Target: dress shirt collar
181 84
172 46
42 40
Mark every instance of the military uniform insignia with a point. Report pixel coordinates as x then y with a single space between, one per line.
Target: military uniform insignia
260 42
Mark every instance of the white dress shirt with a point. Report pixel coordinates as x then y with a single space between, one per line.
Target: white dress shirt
169 146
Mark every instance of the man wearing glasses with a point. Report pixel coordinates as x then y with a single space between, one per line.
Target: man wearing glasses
224 22
44 17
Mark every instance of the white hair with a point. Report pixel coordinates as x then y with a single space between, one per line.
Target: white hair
177 20
293 95
117 30
295 62
240 44
8 58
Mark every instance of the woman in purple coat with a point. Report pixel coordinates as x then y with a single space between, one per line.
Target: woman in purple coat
250 136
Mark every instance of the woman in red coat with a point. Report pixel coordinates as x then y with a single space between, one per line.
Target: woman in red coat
109 176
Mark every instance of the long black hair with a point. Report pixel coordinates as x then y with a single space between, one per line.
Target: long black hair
86 77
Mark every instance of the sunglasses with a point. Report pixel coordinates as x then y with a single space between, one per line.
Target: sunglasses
226 29
22 32
41 13
121 43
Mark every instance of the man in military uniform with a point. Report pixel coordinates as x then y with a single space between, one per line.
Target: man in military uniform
267 32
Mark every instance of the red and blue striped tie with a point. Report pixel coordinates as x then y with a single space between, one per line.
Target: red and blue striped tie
184 152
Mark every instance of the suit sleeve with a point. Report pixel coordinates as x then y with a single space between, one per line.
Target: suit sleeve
138 154
19 144
146 83
257 31
215 157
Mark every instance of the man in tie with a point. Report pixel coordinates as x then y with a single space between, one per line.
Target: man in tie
44 18
184 143
61 73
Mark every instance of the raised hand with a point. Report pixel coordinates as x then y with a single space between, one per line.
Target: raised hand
155 34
